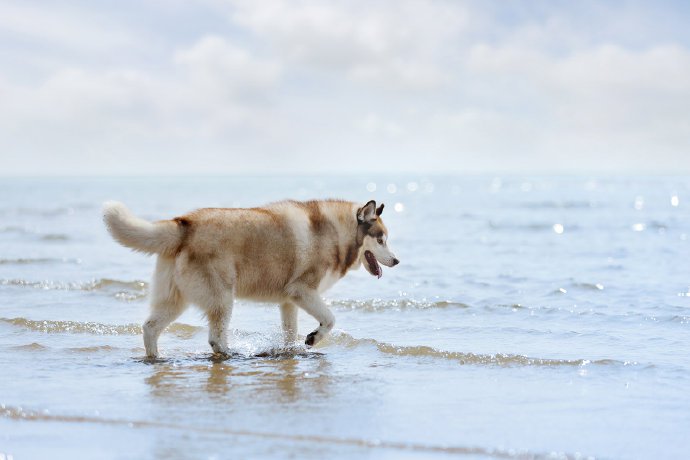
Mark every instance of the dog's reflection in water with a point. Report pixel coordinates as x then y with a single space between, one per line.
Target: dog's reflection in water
278 375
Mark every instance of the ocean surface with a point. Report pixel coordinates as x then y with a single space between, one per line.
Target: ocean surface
530 317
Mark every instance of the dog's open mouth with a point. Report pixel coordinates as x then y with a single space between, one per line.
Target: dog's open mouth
374 268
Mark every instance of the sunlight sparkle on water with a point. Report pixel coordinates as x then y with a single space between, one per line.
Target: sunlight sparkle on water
371 187
639 227
558 228
399 207
639 203
392 188
675 201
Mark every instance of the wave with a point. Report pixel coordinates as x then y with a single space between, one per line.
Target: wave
41 236
123 290
47 212
38 261
54 237
181 330
92 349
30 347
682 319
266 346
378 305
530 227
23 414
499 359
561 205
13 229
587 286
35 346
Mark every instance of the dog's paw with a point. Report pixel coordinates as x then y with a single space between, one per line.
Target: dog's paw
218 348
311 338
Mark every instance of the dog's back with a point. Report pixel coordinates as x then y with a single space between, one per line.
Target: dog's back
257 251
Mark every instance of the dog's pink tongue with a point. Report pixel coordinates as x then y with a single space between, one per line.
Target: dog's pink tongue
373 264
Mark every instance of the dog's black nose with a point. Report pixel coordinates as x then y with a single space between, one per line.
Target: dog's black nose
395 262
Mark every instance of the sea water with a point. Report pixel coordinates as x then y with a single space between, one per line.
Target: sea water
530 317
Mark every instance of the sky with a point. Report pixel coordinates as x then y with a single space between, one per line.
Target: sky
140 87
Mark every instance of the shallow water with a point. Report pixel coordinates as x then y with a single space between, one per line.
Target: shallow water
530 317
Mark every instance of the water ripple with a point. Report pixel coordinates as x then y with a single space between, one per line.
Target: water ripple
20 413
123 290
499 359
180 330
379 305
38 261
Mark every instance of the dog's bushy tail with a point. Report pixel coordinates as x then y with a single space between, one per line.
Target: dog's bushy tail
163 237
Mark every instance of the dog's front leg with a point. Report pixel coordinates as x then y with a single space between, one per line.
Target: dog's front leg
310 301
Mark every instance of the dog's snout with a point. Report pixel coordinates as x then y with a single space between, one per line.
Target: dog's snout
395 262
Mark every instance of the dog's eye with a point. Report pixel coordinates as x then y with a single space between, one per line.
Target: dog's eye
380 240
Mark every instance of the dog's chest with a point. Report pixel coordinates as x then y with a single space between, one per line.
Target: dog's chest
329 279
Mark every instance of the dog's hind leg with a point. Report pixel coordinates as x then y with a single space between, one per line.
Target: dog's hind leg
310 301
218 323
206 282
167 304
288 315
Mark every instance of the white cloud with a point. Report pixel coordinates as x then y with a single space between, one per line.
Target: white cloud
214 98
390 44
437 85
373 124
62 25
604 100
225 69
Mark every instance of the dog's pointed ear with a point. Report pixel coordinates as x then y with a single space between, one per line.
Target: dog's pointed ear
367 213
379 210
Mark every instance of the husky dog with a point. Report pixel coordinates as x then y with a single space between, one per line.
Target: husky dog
287 252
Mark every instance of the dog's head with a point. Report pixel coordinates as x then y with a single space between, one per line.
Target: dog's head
373 236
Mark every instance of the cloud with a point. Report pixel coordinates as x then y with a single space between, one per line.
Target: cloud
215 98
604 100
374 125
391 43
225 69
229 86
61 25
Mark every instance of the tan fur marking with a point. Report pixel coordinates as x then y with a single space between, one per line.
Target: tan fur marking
377 228
350 257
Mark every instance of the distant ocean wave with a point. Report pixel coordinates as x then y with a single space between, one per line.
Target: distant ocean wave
39 347
180 330
47 212
567 204
381 305
122 290
530 226
39 261
15 229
